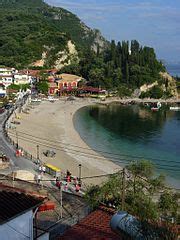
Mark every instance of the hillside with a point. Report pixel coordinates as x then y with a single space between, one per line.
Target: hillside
34 34
32 30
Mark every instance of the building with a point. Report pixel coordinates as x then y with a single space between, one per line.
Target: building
68 81
2 90
95 226
53 88
22 77
6 76
17 213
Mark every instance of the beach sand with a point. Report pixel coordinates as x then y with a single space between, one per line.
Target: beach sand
52 125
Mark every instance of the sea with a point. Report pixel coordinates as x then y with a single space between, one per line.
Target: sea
130 133
173 69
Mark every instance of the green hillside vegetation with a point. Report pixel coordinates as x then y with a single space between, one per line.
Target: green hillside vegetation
30 27
121 66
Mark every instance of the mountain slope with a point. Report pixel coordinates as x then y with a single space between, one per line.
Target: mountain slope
32 28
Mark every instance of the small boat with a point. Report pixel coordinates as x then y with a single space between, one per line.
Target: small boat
157 107
174 108
36 100
154 109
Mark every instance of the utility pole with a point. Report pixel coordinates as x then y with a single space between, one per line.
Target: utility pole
123 190
61 199
80 172
17 143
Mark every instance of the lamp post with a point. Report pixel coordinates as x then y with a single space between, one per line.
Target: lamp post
80 172
37 152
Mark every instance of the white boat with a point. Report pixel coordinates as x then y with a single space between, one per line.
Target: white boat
174 108
36 100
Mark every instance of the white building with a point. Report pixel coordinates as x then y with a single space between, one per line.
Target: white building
5 71
6 76
17 212
22 77
2 90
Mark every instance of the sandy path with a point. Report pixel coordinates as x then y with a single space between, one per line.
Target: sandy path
54 122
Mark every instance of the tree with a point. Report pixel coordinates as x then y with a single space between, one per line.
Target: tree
42 87
156 92
169 203
127 73
134 47
141 168
96 76
14 87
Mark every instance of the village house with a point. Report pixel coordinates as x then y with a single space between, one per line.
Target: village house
2 90
22 77
94 226
67 81
6 76
53 88
17 213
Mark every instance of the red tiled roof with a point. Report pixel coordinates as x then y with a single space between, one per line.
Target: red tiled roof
93 227
14 202
33 73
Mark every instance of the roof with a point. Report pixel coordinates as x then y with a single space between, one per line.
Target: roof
52 85
91 89
33 73
95 226
3 76
15 202
64 77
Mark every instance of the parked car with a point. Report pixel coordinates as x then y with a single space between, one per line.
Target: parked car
49 153
8 106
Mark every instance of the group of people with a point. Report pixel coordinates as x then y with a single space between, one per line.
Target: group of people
41 171
69 179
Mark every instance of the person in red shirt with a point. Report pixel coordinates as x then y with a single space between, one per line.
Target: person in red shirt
58 184
78 187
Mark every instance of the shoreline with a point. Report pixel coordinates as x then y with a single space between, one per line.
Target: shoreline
139 101
52 125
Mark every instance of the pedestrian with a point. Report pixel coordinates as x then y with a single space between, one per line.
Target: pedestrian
78 187
58 184
57 179
39 178
68 179
44 169
66 187
40 168
68 173
75 181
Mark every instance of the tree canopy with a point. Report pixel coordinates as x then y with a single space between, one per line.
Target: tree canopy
141 188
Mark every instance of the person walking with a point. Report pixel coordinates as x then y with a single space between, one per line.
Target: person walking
44 169
39 178
78 187
66 187
40 168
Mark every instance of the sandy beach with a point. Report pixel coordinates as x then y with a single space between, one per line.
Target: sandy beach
50 125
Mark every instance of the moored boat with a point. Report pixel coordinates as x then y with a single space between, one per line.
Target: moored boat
175 108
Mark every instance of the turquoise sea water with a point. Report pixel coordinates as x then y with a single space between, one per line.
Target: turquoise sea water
126 133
